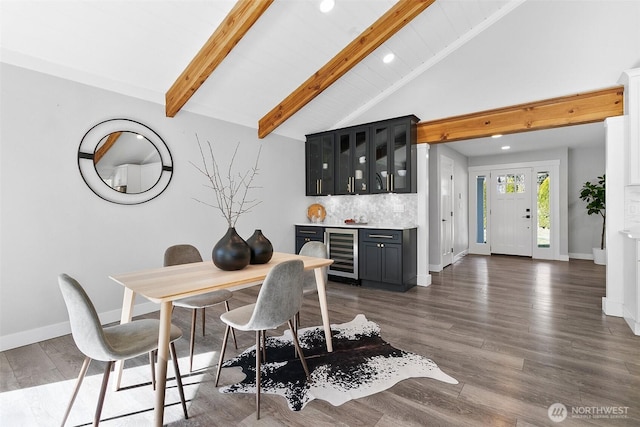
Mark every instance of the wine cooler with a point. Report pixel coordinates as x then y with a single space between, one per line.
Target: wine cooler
342 245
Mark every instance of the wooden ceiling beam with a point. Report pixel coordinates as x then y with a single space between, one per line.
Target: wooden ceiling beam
235 25
370 39
569 110
100 152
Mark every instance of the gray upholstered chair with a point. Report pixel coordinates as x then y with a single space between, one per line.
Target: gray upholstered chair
278 301
187 254
317 250
109 344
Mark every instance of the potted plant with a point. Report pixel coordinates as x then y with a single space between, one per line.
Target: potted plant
594 195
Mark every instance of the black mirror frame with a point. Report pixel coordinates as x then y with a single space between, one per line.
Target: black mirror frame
88 171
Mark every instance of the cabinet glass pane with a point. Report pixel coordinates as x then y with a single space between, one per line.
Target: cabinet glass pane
360 169
327 164
314 162
399 158
381 143
344 163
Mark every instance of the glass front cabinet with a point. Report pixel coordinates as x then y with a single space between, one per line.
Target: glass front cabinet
352 161
392 161
371 158
320 154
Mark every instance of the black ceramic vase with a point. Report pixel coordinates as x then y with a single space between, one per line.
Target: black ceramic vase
231 252
261 248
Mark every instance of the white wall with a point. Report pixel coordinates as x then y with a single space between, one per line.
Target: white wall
585 164
50 222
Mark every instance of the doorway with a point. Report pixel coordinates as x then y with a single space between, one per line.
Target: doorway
446 211
514 209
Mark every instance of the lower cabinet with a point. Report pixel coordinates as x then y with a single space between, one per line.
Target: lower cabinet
308 234
388 258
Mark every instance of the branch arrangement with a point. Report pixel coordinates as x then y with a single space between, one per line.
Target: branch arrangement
231 190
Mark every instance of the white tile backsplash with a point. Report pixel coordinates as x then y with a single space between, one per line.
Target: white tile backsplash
375 209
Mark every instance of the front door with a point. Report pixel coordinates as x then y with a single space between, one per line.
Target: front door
511 215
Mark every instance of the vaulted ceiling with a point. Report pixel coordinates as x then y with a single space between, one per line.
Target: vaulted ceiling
455 57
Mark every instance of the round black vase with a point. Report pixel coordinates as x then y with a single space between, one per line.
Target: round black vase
231 252
261 248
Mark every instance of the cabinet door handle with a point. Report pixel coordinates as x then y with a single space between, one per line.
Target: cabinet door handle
381 236
306 232
380 245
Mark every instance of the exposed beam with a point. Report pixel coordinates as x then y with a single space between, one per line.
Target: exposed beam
370 39
234 26
570 110
100 152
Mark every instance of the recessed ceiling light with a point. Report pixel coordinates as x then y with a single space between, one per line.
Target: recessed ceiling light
388 58
327 5
498 135
505 147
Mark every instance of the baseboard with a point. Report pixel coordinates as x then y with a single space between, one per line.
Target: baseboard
611 308
580 256
435 267
633 323
8 342
459 256
424 280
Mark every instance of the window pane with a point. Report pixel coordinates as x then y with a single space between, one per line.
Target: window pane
544 210
481 209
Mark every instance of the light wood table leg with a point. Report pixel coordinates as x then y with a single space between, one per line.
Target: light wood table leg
163 357
125 317
322 298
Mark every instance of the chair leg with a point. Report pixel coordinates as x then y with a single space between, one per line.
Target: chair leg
176 368
224 345
192 338
258 374
152 363
203 308
299 350
81 375
233 331
264 345
103 391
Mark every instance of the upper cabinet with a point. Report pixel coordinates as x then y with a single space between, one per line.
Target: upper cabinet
365 159
352 161
320 168
392 162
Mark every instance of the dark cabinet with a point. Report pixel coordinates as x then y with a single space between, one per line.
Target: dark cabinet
306 234
365 159
392 156
388 258
320 167
352 167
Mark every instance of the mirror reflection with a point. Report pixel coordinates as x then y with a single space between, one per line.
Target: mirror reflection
127 162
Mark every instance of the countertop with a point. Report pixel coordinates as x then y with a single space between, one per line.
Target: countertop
370 225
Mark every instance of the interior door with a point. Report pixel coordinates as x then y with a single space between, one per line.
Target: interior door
446 211
511 216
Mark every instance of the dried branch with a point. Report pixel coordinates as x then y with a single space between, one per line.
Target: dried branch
230 193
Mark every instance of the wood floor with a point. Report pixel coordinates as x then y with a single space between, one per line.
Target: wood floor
519 335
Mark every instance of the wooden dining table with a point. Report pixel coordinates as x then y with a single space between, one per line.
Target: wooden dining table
166 284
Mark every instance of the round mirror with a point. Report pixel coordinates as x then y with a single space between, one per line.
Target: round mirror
124 161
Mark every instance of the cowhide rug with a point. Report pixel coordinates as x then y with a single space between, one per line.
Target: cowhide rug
361 364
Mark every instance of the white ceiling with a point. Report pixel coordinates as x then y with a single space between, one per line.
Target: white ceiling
457 57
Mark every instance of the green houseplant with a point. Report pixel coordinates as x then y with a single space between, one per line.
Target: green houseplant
594 195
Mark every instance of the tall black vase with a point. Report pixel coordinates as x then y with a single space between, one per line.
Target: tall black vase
261 248
231 252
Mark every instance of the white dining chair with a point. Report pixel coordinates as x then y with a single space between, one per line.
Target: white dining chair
278 301
110 344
